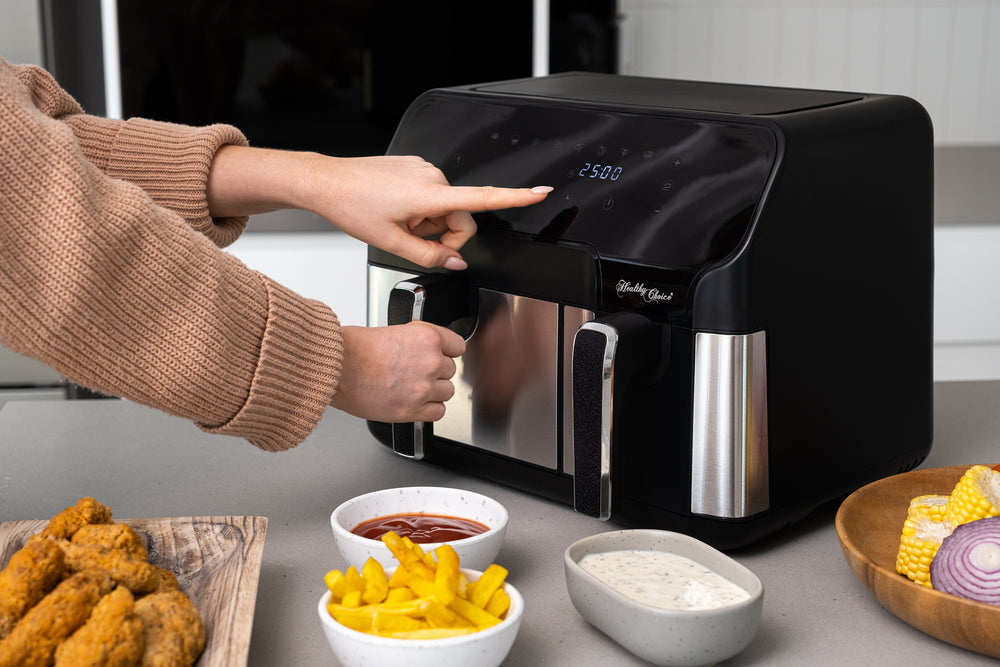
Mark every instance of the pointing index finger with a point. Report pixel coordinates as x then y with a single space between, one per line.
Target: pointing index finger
490 198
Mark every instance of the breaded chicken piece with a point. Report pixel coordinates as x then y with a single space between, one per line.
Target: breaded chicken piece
138 576
33 641
32 571
111 637
68 521
113 537
174 630
167 580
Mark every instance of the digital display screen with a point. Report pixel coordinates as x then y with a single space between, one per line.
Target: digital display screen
604 172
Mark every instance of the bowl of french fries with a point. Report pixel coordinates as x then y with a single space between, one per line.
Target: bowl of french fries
427 611
477 552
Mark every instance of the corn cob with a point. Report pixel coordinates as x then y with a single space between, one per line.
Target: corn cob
923 531
976 496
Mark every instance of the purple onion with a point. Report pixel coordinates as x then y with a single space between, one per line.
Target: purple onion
967 564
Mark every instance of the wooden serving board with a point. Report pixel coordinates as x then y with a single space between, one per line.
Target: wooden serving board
217 563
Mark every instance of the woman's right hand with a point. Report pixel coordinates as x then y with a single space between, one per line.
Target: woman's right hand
398 373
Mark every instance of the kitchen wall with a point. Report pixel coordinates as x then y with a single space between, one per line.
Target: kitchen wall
944 53
20 32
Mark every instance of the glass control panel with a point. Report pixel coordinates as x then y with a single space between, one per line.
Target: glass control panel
662 191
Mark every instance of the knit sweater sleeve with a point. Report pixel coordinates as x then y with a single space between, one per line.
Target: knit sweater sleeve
170 162
119 294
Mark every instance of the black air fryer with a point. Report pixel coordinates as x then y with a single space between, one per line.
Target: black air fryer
720 319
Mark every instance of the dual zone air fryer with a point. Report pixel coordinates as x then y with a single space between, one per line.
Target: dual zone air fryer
719 319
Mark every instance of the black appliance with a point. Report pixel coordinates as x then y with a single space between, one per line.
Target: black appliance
719 320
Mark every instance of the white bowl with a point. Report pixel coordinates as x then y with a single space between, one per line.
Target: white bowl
485 648
476 552
662 636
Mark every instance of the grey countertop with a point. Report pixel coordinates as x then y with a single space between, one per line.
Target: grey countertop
146 464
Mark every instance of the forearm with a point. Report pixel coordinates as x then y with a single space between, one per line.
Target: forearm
248 181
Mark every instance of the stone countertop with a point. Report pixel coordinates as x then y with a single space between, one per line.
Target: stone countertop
146 464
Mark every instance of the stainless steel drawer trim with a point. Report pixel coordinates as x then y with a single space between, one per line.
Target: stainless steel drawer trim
729 458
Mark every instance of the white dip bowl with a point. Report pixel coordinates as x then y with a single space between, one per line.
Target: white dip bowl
485 648
477 552
679 637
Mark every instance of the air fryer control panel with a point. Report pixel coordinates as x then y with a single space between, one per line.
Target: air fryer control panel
633 186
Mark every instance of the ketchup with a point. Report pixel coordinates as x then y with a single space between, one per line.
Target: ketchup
420 528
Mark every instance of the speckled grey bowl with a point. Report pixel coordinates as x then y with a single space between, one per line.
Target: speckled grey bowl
665 637
476 552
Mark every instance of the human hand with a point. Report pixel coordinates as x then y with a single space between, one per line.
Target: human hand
394 202
398 373
391 202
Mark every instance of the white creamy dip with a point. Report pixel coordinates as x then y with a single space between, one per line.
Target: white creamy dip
663 580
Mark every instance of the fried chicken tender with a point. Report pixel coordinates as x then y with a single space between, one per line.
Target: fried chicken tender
174 630
111 637
87 510
33 641
32 571
113 537
138 576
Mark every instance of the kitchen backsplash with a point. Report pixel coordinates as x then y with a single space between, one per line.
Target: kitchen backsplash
944 53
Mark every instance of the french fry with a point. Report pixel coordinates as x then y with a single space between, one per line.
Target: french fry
353 581
401 594
336 583
351 599
447 574
351 619
499 603
399 577
398 547
403 549
407 607
421 586
439 616
376 586
492 579
385 621
431 633
475 615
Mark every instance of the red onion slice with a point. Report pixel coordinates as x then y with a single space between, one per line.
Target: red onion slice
968 562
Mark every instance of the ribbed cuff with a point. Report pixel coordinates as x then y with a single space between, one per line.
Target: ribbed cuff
170 162
299 366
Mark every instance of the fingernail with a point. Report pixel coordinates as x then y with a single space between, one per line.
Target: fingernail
455 264
542 189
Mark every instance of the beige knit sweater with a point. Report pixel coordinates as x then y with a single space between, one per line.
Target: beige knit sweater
111 272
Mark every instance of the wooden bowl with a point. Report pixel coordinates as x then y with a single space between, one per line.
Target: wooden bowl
869 524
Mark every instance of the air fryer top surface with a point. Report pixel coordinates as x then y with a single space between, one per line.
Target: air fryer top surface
657 189
630 91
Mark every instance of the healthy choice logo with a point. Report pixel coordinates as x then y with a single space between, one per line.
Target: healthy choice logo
647 294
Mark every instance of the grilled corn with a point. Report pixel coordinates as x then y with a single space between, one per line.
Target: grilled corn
923 531
976 496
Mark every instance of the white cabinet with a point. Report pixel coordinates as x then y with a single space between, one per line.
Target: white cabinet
967 302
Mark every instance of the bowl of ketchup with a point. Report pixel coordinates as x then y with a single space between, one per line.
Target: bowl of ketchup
472 523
